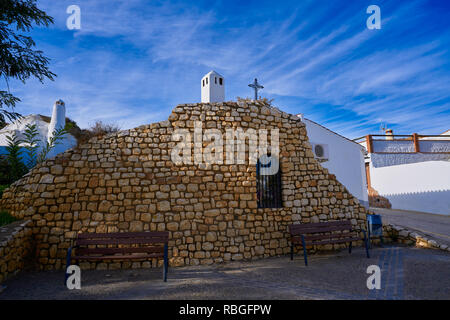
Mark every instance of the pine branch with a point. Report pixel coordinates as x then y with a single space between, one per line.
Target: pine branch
18 58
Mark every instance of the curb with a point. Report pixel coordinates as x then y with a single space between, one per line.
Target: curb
405 235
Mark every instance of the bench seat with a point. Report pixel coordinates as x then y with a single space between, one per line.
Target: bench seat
120 246
332 232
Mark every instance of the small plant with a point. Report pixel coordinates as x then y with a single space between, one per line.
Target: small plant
14 159
54 140
31 146
12 166
261 101
99 129
6 218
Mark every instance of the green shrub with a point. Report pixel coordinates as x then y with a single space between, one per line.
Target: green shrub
6 218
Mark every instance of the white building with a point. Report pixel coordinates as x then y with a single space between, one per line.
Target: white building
341 156
45 127
213 87
409 172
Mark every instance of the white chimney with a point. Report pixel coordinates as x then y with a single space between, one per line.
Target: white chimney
213 87
389 134
58 120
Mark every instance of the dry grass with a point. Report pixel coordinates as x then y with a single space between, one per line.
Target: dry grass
260 101
99 130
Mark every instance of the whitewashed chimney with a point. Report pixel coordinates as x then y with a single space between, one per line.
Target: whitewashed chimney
58 120
213 87
389 134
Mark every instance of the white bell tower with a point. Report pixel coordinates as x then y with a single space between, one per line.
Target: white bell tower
213 87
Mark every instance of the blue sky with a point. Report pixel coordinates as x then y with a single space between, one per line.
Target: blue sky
134 60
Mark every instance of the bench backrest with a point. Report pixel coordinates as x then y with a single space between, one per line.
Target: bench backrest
321 227
155 242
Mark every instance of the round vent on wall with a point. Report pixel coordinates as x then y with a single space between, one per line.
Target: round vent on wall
318 150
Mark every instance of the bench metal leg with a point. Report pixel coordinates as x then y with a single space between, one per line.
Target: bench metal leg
292 251
366 244
350 248
166 262
304 251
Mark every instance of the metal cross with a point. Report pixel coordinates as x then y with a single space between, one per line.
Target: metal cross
255 85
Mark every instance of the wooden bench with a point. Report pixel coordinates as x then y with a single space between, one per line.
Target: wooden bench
309 234
120 246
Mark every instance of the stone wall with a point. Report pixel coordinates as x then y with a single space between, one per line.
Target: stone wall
403 235
377 201
15 248
127 182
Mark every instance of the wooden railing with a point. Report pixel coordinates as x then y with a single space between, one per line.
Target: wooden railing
417 143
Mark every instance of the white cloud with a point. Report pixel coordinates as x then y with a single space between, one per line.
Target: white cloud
132 61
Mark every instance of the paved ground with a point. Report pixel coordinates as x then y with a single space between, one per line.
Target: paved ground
407 273
434 226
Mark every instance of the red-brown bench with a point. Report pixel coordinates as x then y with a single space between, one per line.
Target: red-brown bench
120 246
309 234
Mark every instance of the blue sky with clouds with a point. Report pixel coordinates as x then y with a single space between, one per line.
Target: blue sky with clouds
134 60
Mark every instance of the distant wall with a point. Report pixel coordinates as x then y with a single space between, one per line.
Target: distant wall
346 159
423 186
431 201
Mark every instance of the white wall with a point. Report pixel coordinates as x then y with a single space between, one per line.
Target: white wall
422 186
345 159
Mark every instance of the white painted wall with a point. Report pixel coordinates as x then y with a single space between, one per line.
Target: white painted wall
345 159
422 186
211 88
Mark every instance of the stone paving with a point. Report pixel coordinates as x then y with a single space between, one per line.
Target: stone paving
406 273
392 280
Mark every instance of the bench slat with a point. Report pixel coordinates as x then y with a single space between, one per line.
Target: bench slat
333 241
120 257
320 227
321 224
320 230
327 236
134 235
116 241
88 251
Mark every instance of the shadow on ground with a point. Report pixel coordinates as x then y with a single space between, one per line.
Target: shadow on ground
406 273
